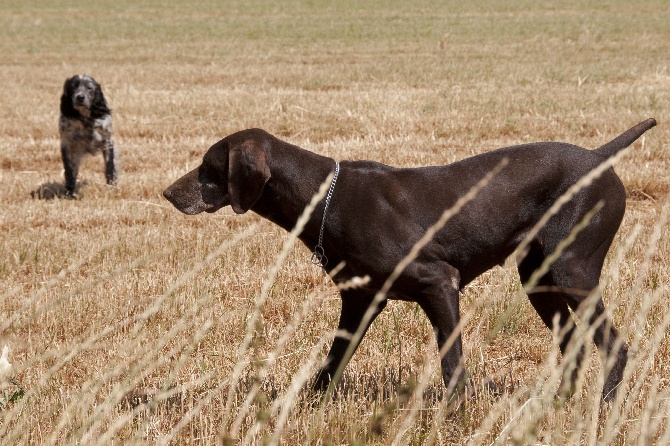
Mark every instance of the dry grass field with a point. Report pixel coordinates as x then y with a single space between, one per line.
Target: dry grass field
125 319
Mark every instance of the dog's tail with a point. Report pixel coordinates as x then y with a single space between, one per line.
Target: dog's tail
625 139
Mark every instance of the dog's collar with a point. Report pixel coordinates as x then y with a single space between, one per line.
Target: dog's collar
319 256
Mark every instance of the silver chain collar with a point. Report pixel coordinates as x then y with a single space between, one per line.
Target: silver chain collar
319 256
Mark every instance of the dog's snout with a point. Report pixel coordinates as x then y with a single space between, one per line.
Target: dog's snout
167 193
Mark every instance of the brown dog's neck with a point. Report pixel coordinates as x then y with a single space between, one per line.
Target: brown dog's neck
295 177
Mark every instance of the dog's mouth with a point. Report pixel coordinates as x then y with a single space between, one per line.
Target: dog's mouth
192 194
192 204
184 205
82 108
210 208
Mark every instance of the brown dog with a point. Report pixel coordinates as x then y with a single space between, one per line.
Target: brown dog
376 213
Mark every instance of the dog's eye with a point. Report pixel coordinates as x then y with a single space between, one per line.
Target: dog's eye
206 174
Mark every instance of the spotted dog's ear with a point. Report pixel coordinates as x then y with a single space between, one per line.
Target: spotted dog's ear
66 106
247 174
99 107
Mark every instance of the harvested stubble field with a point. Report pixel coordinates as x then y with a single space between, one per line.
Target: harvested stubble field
117 299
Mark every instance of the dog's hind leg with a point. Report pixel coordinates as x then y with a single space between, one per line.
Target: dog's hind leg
572 274
355 304
575 276
549 303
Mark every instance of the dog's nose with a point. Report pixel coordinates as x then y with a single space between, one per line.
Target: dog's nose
167 193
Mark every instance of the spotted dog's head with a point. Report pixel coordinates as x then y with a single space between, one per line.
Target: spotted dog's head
83 99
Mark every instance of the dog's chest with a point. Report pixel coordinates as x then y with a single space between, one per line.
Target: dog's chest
81 136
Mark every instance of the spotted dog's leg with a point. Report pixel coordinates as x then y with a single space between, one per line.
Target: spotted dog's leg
71 166
102 135
110 164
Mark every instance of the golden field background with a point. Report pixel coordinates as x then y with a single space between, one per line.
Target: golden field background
117 298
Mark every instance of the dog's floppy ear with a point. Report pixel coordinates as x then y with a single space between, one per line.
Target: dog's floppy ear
66 106
99 107
247 174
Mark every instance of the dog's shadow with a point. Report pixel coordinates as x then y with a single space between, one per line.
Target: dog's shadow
52 190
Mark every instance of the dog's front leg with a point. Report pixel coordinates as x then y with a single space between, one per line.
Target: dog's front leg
110 164
439 284
71 166
355 304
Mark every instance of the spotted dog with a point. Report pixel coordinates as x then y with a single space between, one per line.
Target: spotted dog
85 128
